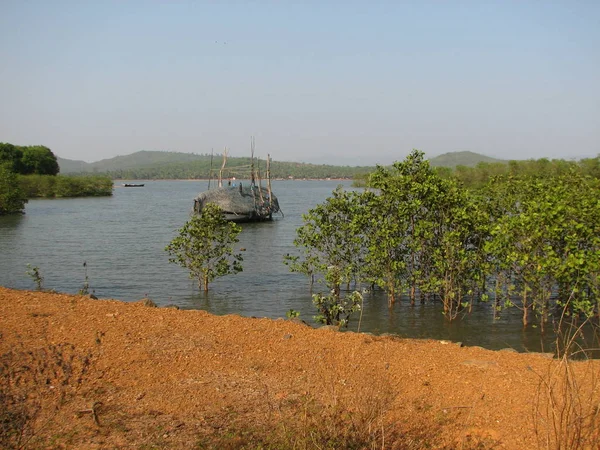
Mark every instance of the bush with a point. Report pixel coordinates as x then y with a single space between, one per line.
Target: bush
12 197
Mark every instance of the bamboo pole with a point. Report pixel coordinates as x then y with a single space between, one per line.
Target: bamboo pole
262 200
211 169
269 177
222 167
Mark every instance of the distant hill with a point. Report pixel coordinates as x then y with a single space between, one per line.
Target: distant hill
137 160
177 165
469 159
72 166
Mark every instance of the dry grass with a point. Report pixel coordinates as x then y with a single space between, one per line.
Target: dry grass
567 402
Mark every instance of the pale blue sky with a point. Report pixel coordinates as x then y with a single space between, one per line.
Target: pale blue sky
330 81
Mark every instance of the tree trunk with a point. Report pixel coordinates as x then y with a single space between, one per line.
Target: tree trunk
391 293
525 308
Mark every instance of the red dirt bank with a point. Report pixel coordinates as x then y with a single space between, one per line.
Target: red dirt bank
164 378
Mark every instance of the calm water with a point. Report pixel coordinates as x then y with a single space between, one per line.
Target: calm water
122 239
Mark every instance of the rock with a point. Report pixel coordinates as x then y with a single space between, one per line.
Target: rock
288 336
508 350
147 302
329 327
172 306
298 321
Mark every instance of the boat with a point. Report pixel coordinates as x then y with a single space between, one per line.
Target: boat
132 185
240 203
243 199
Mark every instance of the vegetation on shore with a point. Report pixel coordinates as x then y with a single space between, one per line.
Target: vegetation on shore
204 246
62 186
477 175
32 171
529 240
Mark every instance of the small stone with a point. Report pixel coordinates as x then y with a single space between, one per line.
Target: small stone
288 336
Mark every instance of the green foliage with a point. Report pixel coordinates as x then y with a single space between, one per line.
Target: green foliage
545 237
336 310
292 314
39 160
422 233
10 156
331 237
35 159
36 276
205 246
476 177
12 197
61 186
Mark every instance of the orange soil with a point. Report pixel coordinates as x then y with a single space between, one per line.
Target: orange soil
165 378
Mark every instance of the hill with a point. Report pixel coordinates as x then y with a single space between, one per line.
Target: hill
135 160
72 165
469 159
177 165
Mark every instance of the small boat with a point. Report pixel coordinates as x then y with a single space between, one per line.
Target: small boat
246 201
132 185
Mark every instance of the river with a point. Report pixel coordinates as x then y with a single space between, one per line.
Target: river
122 240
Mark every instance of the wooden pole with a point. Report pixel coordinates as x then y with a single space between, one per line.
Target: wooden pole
262 200
222 167
252 173
269 176
211 169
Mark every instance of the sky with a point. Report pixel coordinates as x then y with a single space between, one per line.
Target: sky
335 82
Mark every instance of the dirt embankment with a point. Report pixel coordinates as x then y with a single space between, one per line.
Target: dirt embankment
82 373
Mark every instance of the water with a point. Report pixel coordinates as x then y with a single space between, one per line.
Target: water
122 239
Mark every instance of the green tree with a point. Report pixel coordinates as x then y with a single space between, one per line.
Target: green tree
331 240
11 155
205 246
545 239
12 199
40 160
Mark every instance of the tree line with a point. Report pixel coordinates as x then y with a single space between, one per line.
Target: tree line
203 168
526 240
32 171
477 176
